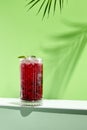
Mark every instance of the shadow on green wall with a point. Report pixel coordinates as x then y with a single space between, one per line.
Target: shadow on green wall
63 57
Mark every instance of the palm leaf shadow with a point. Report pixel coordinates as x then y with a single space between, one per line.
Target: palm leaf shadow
65 58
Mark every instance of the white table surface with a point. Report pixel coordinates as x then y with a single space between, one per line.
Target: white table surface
47 104
53 115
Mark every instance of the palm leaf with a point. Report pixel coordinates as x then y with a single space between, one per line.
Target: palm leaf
34 3
47 4
41 6
61 4
30 2
50 2
55 5
45 8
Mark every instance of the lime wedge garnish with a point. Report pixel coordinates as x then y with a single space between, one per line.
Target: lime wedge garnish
21 56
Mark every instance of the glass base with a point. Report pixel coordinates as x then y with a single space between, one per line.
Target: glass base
31 103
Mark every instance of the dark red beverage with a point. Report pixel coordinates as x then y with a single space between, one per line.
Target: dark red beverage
31 69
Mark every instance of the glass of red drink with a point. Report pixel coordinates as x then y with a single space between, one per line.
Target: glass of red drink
31 77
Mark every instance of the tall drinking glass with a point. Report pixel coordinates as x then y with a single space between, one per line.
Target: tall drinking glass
31 77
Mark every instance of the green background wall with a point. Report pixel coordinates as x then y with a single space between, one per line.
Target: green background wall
60 40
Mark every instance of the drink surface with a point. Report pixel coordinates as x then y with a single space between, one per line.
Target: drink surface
31 70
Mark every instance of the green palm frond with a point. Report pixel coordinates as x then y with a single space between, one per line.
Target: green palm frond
46 4
55 5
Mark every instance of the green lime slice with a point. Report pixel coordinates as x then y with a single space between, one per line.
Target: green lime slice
21 56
